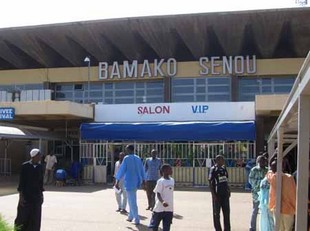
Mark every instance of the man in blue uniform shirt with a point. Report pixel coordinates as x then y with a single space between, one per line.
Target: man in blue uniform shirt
152 167
134 176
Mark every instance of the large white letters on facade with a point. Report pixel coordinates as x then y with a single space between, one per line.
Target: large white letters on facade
230 65
215 65
131 70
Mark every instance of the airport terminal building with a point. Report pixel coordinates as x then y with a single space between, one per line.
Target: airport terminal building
192 86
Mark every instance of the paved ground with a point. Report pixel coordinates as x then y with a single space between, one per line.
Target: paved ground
93 208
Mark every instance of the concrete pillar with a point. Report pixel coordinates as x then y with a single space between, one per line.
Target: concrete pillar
302 163
234 88
271 145
279 177
167 89
40 144
260 136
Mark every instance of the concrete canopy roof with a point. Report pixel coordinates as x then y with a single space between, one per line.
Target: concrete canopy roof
294 122
267 34
7 132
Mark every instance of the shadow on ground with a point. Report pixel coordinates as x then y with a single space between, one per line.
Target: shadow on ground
8 186
8 190
140 227
12 189
91 188
177 216
207 189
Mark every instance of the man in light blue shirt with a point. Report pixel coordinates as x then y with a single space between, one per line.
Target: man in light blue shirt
134 176
152 167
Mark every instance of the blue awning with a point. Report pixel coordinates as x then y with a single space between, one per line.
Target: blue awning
169 131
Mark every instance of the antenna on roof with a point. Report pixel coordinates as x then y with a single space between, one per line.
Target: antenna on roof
301 2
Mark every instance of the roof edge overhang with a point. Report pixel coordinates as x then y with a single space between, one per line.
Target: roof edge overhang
23 133
50 108
142 17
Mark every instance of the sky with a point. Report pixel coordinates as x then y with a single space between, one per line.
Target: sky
15 13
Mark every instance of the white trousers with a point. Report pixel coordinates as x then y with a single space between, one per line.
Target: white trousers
121 198
286 222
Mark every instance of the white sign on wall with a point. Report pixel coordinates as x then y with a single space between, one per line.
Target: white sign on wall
165 112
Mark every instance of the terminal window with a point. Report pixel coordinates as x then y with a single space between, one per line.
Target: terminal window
201 89
249 87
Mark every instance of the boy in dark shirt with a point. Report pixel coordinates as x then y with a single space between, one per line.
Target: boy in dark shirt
220 191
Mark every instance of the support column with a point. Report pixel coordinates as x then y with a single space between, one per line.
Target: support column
40 145
234 88
271 148
6 168
302 163
260 136
279 178
167 89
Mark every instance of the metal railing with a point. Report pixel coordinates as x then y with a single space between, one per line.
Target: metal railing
190 161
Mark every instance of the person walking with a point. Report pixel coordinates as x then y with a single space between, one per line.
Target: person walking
288 197
30 190
218 182
266 220
152 167
50 161
134 176
121 196
256 175
163 210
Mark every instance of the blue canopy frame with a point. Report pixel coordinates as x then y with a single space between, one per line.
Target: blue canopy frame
170 131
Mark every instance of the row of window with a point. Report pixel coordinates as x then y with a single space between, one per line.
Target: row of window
201 90
249 87
113 93
21 87
217 89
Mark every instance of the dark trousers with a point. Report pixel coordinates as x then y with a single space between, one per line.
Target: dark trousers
221 203
166 217
254 216
150 185
28 216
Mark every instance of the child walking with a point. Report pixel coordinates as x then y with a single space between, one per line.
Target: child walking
163 209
